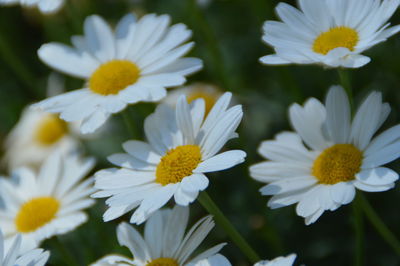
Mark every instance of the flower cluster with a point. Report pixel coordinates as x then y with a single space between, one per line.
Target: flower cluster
319 166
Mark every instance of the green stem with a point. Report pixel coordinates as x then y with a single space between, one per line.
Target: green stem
65 253
346 83
211 43
18 67
380 227
359 232
220 218
129 123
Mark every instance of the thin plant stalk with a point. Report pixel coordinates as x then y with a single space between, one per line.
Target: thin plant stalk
379 225
359 232
221 219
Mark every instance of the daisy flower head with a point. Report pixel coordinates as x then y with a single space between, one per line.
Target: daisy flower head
134 63
50 203
37 134
333 33
45 6
13 256
208 92
330 155
165 242
280 261
182 146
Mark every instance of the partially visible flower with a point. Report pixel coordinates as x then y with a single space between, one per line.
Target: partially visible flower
37 134
209 93
51 203
183 146
340 155
134 63
44 6
14 257
165 242
203 3
329 32
280 261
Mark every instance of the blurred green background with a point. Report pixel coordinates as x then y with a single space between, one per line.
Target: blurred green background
228 38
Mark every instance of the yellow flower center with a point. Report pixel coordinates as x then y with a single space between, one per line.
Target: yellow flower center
208 97
50 130
114 76
336 37
36 213
178 163
163 262
339 163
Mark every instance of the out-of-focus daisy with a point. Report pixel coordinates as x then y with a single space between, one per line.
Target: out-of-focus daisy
165 242
340 155
182 147
51 203
136 62
37 134
280 261
209 93
329 32
44 6
13 256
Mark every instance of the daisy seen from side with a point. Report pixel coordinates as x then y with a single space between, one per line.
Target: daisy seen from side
208 92
330 155
279 261
333 33
166 242
13 256
134 63
44 6
182 146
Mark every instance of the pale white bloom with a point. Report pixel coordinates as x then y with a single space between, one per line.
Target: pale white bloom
37 134
166 243
208 92
44 6
340 155
51 203
14 257
329 32
280 261
182 146
134 63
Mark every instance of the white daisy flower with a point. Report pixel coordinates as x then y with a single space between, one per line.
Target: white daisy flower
134 63
51 203
38 134
44 6
208 92
280 261
182 147
329 32
165 242
13 256
340 155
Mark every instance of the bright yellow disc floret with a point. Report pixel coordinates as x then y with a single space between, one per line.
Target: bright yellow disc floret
178 163
339 163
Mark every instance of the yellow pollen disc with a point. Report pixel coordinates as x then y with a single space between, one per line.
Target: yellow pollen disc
36 213
114 76
50 130
177 164
163 262
336 37
339 163
209 99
